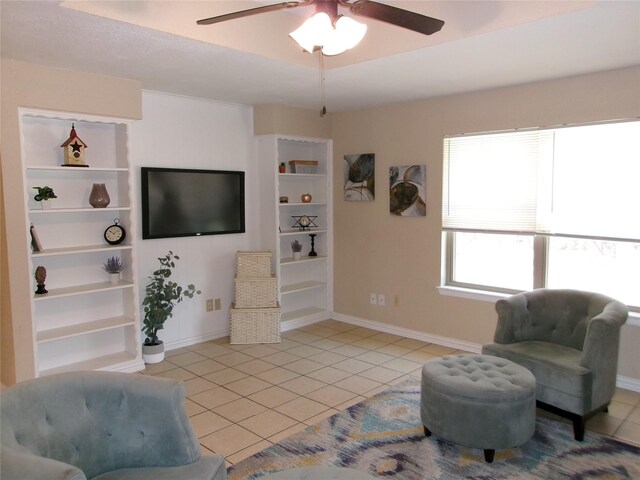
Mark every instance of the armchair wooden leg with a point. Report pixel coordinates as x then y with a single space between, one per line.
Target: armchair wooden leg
488 455
427 432
578 428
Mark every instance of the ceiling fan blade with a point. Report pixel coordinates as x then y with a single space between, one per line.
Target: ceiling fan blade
396 16
253 11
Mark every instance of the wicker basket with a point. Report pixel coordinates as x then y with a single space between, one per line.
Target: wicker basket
303 166
255 325
256 292
253 264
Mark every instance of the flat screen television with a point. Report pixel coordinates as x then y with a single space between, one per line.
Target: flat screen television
178 202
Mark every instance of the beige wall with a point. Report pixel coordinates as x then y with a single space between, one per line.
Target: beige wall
27 85
401 257
271 119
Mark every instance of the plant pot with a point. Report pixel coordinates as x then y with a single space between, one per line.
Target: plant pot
153 353
114 278
282 169
297 255
45 204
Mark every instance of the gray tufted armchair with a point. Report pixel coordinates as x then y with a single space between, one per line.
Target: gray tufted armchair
101 426
569 340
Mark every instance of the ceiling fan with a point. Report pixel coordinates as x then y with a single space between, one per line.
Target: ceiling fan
334 25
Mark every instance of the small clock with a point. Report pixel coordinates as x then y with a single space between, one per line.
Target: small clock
115 234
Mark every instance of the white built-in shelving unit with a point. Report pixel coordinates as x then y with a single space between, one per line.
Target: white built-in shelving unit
305 285
84 322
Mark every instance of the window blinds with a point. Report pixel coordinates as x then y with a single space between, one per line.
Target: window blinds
576 181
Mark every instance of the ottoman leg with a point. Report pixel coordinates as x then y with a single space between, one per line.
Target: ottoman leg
427 432
488 455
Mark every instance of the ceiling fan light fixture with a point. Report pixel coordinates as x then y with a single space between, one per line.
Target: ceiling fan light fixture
313 31
346 35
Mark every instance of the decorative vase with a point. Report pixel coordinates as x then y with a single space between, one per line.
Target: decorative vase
99 197
297 255
282 169
114 278
153 353
306 198
45 204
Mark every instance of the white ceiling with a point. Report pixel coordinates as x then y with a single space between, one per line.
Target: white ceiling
483 44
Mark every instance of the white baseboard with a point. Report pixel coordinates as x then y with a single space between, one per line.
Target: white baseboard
626 383
406 332
187 342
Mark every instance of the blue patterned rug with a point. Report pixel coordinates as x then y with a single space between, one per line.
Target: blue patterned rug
383 436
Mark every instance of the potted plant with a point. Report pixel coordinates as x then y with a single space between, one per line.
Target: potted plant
296 247
44 193
161 296
113 266
282 168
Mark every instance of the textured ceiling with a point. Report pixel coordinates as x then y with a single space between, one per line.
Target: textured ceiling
484 44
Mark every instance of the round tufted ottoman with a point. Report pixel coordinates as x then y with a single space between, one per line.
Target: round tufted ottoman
478 401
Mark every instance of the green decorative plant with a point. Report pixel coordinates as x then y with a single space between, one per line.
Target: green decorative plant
113 265
161 296
44 193
282 164
296 246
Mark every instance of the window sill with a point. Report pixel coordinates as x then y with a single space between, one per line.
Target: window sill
487 296
471 294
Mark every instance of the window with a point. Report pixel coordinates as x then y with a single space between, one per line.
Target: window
557 208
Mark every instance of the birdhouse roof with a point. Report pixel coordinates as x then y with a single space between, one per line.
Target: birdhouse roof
73 136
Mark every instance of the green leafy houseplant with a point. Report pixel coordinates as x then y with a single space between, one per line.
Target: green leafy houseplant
44 193
296 246
161 296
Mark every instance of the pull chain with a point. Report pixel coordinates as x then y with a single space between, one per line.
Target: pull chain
323 112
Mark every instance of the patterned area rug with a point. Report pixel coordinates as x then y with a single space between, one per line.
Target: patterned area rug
383 436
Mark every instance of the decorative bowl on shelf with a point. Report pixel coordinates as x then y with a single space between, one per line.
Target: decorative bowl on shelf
306 198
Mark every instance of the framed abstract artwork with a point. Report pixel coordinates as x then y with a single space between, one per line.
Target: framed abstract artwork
359 177
407 190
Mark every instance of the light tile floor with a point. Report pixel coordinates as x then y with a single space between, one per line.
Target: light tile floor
244 398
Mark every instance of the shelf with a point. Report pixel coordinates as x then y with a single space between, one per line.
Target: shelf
299 287
78 210
50 252
291 261
301 232
110 362
299 314
82 289
83 329
301 204
77 169
292 175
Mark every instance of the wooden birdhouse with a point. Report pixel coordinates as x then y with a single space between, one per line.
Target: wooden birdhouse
74 150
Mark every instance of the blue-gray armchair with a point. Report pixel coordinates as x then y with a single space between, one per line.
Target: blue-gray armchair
569 340
100 426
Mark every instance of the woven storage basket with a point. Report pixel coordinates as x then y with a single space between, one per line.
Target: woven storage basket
255 292
255 325
253 264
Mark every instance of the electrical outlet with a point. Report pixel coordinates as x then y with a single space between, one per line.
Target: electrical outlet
217 304
373 299
209 304
382 301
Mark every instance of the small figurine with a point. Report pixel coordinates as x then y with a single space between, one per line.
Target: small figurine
41 276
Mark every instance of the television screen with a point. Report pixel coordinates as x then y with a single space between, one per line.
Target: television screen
180 202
